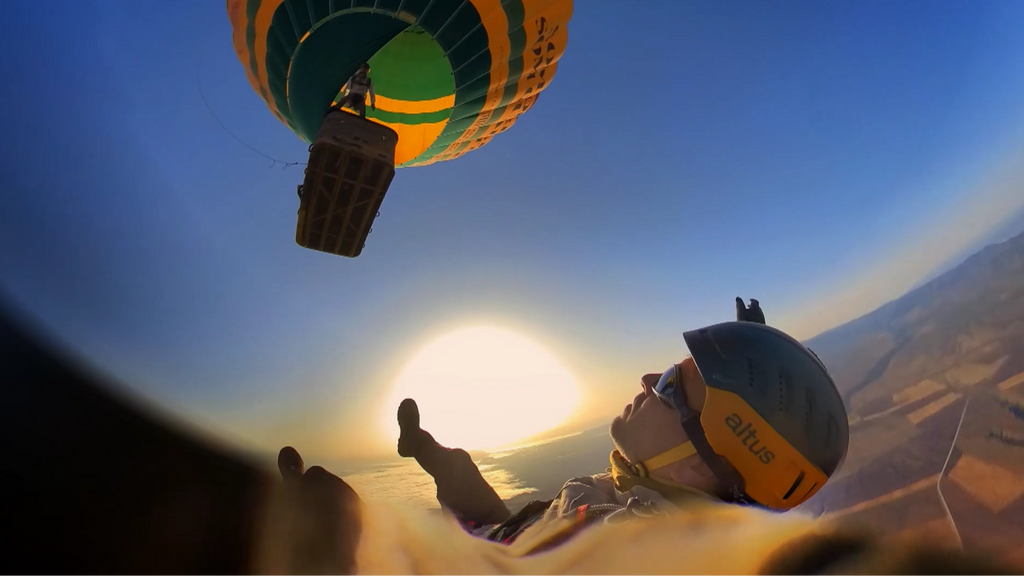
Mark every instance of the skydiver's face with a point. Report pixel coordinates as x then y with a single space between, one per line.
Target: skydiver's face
647 427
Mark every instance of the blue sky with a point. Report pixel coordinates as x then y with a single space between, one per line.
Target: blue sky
822 157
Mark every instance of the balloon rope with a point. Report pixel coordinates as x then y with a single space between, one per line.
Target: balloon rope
274 161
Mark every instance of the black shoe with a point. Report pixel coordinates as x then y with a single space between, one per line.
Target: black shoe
411 438
290 464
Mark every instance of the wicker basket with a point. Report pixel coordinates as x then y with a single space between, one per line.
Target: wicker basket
351 165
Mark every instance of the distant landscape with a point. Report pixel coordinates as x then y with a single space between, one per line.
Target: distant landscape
909 372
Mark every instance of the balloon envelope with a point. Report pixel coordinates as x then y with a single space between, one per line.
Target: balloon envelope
448 74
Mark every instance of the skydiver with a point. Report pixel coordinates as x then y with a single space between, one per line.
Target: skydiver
666 457
355 91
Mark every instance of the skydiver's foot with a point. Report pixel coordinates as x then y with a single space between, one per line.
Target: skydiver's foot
412 437
290 463
325 519
409 415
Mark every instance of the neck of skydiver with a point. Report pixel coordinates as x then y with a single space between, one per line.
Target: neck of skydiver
665 481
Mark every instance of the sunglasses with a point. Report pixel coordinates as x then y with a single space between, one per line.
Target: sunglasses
669 390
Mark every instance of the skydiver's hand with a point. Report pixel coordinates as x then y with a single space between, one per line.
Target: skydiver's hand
752 314
325 518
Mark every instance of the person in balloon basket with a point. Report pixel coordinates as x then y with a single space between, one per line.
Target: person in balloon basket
751 417
356 89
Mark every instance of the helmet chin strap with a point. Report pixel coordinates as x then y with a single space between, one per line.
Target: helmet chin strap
670 456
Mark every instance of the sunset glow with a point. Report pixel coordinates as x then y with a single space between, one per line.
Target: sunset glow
484 387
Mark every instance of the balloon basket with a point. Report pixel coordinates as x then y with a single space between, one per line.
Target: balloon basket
351 165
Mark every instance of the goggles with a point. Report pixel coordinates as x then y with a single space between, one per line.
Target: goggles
669 390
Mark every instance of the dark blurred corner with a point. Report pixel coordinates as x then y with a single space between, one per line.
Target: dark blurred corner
92 482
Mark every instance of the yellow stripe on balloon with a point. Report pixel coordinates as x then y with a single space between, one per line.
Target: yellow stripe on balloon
264 18
413 139
545 23
493 18
239 22
415 106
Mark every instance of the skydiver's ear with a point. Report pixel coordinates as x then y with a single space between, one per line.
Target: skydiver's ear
694 473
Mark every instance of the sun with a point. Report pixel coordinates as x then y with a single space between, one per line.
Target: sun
484 387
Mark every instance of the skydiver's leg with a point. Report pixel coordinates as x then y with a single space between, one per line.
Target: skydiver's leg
460 486
326 515
351 101
357 103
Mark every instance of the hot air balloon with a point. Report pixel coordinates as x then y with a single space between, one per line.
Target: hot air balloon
448 76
